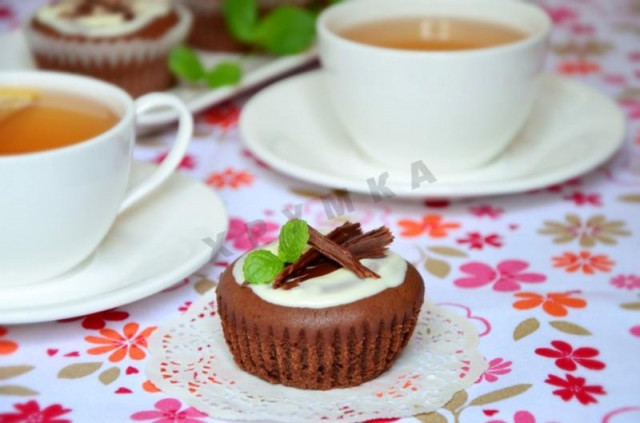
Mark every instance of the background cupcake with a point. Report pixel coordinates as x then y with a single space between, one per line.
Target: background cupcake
209 30
125 42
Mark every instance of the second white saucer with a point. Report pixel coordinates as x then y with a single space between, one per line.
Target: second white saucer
292 127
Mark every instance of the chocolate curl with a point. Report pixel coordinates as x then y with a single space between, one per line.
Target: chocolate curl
372 244
338 235
338 253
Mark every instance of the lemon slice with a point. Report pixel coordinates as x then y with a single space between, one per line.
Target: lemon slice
15 100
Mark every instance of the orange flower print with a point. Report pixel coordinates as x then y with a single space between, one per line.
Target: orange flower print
579 67
553 303
6 346
131 342
584 261
230 178
149 387
431 224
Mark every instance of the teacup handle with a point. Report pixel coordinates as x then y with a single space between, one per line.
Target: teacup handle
174 157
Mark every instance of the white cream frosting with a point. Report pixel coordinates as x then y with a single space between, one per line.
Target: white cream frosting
333 289
101 23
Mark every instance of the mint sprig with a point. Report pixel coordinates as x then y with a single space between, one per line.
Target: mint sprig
186 65
241 17
294 236
262 266
285 30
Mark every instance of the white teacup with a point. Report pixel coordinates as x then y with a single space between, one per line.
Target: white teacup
57 205
453 110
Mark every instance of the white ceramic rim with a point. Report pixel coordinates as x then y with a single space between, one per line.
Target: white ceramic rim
351 8
52 80
587 163
128 293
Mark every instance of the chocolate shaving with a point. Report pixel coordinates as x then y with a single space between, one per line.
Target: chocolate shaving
346 241
372 244
338 235
340 254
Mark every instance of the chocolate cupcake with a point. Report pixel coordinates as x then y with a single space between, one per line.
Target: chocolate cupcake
337 317
209 30
125 42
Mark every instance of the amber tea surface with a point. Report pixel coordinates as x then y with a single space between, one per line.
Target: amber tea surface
432 34
35 120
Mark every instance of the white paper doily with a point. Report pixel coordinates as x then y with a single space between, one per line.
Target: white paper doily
190 361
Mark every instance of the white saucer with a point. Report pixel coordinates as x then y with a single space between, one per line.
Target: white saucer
150 247
292 127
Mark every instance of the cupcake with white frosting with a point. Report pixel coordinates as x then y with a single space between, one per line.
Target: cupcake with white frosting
125 42
320 312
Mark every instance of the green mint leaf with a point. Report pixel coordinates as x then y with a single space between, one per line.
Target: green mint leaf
294 236
286 30
185 64
261 267
241 17
225 73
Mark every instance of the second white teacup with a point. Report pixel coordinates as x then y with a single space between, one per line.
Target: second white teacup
453 110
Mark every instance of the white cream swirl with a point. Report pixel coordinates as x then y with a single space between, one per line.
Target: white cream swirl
101 22
333 289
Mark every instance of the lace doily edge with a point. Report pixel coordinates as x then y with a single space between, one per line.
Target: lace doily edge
477 366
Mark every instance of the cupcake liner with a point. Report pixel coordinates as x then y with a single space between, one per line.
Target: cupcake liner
319 359
112 53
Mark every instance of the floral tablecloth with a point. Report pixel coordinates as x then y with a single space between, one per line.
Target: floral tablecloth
550 278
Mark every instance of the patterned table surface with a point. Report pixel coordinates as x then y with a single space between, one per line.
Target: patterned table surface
550 278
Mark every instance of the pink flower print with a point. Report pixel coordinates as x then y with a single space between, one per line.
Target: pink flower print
8 18
505 278
497 368
561 15
567 358
477 241
635 331
188 161
628 282
582 199
99 320
575 387
185 306
168 411
560 187
485 210
245 237
632 107
32 412
520 417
